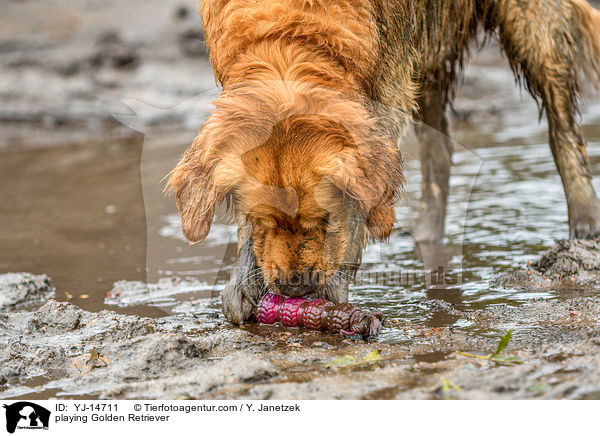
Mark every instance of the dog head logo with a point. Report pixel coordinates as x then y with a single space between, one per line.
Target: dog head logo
26 415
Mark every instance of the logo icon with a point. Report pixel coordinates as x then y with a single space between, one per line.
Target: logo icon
26 415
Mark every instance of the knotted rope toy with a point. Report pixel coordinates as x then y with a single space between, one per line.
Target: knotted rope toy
319 314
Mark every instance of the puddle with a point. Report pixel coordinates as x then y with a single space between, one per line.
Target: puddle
79 214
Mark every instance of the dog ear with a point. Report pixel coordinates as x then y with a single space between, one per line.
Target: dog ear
373 176
195 189
380 220
377 191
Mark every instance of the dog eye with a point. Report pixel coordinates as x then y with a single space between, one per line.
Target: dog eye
265 222
308 224
311 223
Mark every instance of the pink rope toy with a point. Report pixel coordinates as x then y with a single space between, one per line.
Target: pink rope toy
344 318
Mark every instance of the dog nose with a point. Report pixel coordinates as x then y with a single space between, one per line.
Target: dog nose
297 284
295 290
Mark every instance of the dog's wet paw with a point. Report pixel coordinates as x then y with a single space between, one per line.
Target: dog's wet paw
237 308
586 226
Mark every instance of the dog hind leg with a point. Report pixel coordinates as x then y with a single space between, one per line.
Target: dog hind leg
547 44
435 154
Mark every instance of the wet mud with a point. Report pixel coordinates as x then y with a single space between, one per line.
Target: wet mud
570 264
68 67
24 289
138 311
62 351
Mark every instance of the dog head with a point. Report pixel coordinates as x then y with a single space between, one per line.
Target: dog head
310 173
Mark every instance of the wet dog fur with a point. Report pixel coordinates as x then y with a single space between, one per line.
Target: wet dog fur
303 142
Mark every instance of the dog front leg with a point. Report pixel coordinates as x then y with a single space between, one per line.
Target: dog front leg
245 288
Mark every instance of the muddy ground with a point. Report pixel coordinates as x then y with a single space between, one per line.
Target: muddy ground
71 69
60 350
68 67
566 265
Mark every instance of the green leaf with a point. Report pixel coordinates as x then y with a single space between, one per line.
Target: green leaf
340 362
538 387
373 356
503 342
447 385
511 360
496 357
349 360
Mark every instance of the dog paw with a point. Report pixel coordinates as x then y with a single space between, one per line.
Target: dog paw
237 308
586 226
240 296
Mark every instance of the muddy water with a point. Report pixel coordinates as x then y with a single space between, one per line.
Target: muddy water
80 214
